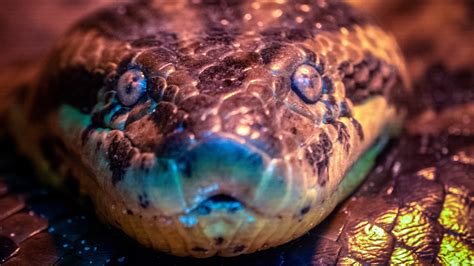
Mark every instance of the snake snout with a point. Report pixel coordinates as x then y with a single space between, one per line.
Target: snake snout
221 170
218 172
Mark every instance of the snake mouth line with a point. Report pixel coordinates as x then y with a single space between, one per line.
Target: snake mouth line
225 203
219 202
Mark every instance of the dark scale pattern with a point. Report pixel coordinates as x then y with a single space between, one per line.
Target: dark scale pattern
120 152
318 155
370 77
343 135
157 125
357 125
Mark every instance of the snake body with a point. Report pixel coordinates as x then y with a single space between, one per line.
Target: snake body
209 127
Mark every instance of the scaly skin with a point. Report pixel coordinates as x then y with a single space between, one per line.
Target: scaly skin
222 153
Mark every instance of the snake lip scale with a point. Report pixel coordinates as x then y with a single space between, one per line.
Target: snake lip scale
224 127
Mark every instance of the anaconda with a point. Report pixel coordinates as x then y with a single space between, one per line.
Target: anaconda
204 128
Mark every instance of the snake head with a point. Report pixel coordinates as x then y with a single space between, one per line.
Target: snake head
226 132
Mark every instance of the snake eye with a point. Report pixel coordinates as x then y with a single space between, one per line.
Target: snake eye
131 87
307 83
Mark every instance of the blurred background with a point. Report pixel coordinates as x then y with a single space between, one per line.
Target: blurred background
28 28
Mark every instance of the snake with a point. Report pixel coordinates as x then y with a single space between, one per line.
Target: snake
213 127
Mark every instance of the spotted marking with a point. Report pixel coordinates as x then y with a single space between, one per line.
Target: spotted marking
119 154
